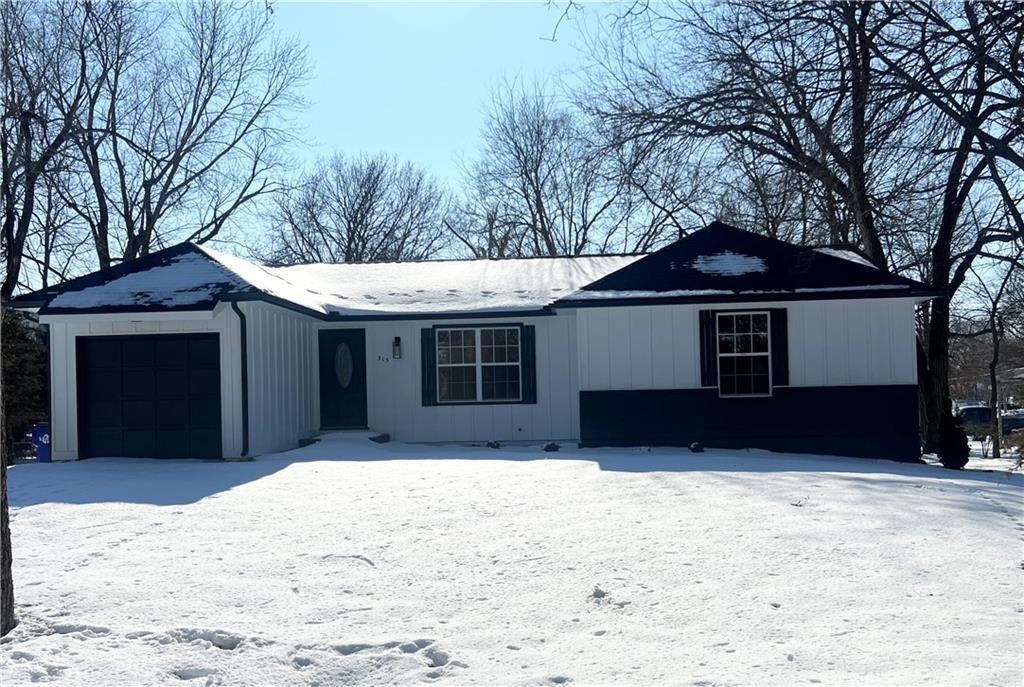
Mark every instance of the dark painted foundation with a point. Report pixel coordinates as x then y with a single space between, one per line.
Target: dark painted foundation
859 421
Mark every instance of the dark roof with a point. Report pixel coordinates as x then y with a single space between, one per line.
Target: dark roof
205 292
722 263
719 263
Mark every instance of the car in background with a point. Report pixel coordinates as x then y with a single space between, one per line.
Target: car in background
974 415
981 416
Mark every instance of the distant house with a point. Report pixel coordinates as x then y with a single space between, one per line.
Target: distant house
723 337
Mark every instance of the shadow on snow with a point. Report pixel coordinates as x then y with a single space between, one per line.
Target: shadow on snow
178 482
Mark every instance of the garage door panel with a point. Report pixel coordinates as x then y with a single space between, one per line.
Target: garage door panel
138 351
140 442
106 414
203 412
171 413
105 353
205 443
170 441
149 396
138 382
172 352
139 413
172 383
99 378
203 382
204 352
104 442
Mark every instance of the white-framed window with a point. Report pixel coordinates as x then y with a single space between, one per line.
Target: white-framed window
478 364
744 353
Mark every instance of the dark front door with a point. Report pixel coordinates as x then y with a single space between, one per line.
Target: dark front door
149 396
342 378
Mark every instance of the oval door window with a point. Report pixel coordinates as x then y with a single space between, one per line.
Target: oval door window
343 367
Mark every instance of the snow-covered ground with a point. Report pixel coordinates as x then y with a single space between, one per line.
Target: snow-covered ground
351 562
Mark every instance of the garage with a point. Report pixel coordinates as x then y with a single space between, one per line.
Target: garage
149 396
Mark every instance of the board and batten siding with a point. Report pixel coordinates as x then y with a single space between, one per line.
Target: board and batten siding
831 343
65 331
394 393
283 377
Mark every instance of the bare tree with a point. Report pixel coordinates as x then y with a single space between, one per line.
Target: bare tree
666 193
543 184
151 122
953 61
835 93
194 132
48 78
362 209
7 617
993 308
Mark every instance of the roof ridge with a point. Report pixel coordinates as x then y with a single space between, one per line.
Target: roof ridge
461 260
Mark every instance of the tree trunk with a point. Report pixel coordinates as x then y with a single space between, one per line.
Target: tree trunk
7 619
993 381
859 54
935 383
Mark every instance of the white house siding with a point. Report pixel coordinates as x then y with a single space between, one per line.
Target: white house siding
65 329
283 381
394 395
831 343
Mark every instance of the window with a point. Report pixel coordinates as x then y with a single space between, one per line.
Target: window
479 364
744 354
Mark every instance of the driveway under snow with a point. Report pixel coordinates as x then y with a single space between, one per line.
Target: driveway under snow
350 562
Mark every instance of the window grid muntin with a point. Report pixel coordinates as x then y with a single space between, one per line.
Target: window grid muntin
510 344
729 324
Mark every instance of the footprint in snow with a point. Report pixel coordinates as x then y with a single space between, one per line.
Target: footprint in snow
194 674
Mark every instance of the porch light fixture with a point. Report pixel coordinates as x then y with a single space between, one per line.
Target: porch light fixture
396 348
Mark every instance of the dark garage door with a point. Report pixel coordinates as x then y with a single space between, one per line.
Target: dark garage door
149 396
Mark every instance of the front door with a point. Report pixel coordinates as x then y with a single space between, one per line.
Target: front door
343 378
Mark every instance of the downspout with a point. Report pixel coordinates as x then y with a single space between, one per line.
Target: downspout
245 377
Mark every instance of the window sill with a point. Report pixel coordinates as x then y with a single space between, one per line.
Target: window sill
483 403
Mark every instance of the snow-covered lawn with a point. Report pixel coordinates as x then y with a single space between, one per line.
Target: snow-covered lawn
350 562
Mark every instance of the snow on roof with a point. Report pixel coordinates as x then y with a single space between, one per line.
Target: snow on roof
201 275
718 261
447 286
845 254
728 264
184 280
266 279
611 294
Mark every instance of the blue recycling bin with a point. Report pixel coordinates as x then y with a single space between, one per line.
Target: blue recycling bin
41 440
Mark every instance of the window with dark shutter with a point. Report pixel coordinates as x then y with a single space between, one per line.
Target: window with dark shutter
780 347
744 353
428 362
479 364
708 357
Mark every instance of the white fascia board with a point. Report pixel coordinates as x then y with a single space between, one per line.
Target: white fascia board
69 318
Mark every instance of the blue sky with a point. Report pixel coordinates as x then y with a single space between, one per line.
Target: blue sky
413 79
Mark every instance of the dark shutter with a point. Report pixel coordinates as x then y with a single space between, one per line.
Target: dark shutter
780 347
708 348
428 361
528 343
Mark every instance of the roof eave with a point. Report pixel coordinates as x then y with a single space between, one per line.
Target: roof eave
917 294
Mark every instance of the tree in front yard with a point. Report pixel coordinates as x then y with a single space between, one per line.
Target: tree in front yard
7 619
954 451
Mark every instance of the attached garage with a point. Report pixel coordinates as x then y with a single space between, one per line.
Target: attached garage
149 396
